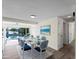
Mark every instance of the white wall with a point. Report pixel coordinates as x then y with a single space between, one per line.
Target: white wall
34 30
54 41
4 39
60 33
14 24
71 31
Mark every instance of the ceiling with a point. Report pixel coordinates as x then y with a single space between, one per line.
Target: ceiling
43 9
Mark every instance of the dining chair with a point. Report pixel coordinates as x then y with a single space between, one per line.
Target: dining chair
24 47
42 48
38 40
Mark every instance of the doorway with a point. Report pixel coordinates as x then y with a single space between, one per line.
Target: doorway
65 33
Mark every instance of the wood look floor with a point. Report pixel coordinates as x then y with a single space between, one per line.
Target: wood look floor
67 52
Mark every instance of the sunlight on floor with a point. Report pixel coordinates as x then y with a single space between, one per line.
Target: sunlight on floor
11 42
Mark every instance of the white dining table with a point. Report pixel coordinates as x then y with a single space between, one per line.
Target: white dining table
32 42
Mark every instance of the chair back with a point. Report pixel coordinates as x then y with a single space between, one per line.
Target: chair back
18 39
44 44
38 37
22 43
43 38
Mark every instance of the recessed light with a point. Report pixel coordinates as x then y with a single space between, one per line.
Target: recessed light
69 16
33 16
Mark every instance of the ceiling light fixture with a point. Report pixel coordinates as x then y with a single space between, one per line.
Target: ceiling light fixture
33 16
69 16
